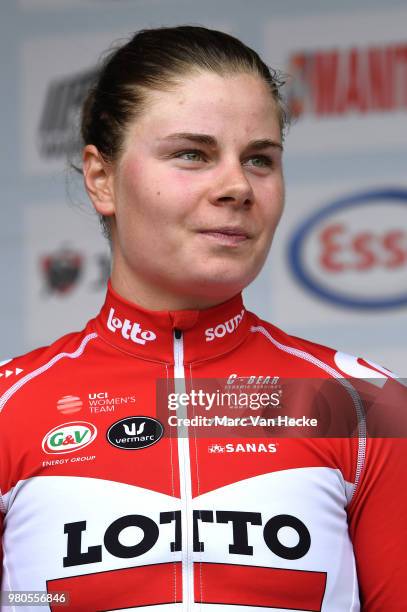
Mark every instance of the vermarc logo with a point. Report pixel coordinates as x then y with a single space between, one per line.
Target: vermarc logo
130 331
135 432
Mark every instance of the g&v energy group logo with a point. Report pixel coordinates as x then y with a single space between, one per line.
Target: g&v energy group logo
68 437
353 252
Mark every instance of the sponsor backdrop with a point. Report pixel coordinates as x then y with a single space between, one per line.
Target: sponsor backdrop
337 273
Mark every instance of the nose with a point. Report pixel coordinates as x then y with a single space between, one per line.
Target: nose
232 186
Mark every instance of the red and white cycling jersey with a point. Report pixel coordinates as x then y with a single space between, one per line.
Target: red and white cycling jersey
102 499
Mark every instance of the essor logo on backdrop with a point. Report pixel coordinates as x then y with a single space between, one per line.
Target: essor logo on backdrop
135 432
68 437
353 252
130 331
336 82
63 270
59 125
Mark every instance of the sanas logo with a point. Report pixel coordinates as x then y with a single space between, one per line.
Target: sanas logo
68 437
240 447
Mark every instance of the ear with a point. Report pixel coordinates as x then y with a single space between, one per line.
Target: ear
98 179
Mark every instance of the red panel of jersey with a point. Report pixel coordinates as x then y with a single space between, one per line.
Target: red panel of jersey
125 482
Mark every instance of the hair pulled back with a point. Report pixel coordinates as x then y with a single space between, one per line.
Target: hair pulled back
156 59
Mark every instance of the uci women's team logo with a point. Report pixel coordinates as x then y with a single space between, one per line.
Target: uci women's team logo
68 437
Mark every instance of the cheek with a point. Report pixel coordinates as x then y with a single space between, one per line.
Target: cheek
138 194
281 199
153 206
183 186
273 203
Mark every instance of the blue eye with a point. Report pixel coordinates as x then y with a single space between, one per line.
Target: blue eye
261 161
190 155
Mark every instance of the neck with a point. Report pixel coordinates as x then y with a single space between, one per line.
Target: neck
152 298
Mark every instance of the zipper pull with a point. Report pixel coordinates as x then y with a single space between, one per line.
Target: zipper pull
177 333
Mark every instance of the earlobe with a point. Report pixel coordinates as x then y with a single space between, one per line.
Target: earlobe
98 181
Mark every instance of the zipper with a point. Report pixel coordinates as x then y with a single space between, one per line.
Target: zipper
184 462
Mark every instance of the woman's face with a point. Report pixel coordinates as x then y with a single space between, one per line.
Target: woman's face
197 192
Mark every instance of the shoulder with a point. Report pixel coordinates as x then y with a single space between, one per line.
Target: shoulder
19 371
335 362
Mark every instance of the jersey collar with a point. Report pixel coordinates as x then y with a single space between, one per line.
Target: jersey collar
150 334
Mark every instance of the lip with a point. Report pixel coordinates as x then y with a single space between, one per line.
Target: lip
228 231
226 236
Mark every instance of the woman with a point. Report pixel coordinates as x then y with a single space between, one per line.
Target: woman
109 498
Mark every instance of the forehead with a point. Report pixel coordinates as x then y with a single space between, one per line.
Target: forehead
234 106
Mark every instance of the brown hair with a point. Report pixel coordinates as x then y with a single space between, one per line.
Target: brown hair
156 59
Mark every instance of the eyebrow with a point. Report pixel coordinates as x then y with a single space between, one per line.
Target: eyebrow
210 141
